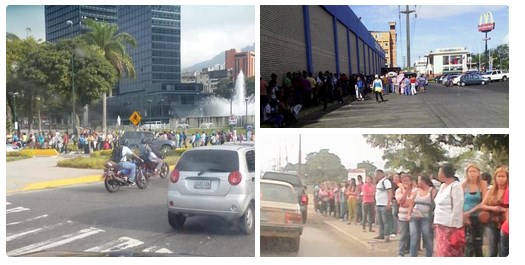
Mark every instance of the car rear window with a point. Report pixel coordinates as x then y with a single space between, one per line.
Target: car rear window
277 193
209 160
292 179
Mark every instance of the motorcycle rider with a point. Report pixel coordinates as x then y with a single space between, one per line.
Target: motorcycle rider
151 155
123 163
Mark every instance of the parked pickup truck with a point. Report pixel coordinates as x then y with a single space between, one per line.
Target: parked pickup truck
496 75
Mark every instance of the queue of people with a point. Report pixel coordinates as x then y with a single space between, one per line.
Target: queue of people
281 103
438 213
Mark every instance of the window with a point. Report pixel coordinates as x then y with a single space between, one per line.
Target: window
209 160
277 193
250 160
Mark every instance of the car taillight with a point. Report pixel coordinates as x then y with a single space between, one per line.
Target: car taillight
304 199
235 178
293 218
174 177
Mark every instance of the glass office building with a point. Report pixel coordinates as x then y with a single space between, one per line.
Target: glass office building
56 18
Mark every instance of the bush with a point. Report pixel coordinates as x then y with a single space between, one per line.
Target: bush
104 153
72 147
83 162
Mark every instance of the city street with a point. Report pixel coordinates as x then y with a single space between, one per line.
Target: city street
440 107
86 218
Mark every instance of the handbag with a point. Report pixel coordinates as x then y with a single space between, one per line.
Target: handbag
457 238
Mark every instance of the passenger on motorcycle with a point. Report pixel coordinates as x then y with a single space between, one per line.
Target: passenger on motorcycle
123 163
151 155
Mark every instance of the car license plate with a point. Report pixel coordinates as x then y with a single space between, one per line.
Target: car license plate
202 184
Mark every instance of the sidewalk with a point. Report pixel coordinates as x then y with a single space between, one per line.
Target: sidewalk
41 172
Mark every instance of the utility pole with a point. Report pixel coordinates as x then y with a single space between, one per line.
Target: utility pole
299 167
407 12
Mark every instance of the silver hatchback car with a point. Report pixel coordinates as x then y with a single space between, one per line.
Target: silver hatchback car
216 181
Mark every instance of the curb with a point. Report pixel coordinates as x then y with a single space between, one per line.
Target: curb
61 183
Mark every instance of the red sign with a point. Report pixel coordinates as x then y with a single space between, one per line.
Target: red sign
486 22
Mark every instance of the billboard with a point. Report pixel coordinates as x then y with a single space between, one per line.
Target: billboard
486 22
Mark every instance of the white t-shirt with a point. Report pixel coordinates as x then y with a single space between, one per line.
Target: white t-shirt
381 192
449 211
125 152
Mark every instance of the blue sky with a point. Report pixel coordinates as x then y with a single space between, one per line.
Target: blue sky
226 26
437 26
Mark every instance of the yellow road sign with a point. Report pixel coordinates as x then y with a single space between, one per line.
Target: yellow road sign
135 118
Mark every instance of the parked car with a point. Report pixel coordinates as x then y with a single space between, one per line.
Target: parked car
472 79
496 75
159 146
280 213
455 79
215 181
297 183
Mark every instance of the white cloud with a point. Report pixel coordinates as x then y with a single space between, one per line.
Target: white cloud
202 44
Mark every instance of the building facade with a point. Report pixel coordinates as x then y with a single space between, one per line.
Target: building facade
211 78
245 62
229 58
387 40
316 38
56 18
447 61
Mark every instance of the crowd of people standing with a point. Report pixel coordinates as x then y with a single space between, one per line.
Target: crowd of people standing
438 212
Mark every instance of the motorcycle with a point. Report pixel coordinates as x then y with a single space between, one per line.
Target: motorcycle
116 177
148 167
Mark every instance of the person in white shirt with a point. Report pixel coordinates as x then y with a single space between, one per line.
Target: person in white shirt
383 205
448 214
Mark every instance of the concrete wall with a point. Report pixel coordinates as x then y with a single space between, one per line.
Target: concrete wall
323 47
343 48
353 51
283 46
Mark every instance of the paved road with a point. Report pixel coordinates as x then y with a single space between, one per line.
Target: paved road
320 239
440 107
86 218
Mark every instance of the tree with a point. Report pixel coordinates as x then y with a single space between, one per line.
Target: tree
422 152
323 165
224 88
250 86
113 47
368 166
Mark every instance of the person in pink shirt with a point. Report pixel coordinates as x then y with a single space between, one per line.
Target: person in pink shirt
369 191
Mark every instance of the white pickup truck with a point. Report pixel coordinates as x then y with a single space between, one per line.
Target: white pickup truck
496 75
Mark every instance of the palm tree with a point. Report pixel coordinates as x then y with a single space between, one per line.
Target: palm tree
113 46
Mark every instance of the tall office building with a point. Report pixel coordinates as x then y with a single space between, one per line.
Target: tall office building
56 18
157 55
245 62
229 58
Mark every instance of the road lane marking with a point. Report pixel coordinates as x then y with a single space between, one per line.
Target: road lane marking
28 220
162 250
17 209
55 242
45 228
116 245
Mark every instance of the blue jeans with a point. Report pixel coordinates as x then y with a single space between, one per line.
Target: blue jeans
344 210
384 218
493 235
131 167
404 239
503 244
418 226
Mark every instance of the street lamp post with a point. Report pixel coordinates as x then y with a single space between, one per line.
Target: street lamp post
231 108
70 23
246 116
150 114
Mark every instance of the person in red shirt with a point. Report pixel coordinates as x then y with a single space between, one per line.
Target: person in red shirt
369 192
413 81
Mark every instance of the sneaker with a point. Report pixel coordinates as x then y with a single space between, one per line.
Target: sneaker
393 235
131 182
